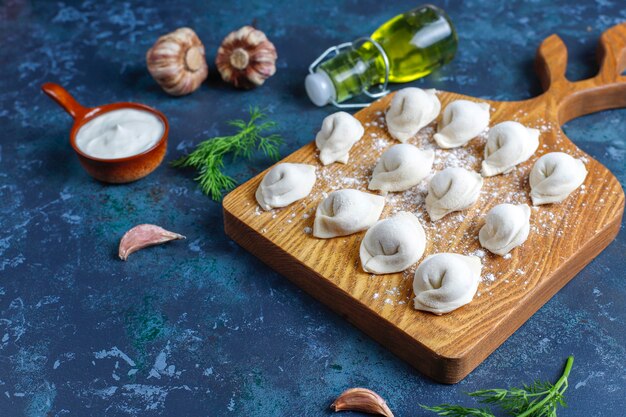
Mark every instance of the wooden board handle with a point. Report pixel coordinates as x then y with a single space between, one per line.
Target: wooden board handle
551 63
612 53
607 90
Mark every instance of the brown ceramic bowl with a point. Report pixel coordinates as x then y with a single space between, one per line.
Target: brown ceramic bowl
119 170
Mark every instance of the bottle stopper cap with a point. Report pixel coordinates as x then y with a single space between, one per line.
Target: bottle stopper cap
320 88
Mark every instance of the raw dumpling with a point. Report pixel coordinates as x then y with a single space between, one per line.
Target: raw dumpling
411 109
508 144
284 184
335 139
554 176
446 281
462 120
345 212
393 244
452 189
506 227
401 167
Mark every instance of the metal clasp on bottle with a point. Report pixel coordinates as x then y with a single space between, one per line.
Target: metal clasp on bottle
339 48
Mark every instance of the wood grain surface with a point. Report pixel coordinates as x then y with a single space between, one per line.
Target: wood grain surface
563 239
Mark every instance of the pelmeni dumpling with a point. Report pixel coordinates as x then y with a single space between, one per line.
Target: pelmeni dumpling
284 184
506 227
411 109
345 212
446 281
335 139
401 167
452 189
554 176
508 144
393 244
462 120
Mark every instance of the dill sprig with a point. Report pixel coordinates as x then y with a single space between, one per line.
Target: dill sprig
539 399
451 410
208 157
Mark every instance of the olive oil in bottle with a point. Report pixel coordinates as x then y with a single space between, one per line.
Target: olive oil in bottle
407 47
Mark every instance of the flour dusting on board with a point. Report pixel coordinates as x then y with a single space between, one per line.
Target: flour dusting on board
458 231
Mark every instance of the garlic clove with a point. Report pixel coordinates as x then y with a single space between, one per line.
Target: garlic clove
246 58
361 399
142 236
177 62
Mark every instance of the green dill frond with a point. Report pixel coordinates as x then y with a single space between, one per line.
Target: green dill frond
208 157
539 399
450 410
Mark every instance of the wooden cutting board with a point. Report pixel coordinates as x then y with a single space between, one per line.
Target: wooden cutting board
564 237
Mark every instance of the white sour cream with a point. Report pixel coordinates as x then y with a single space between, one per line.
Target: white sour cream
119 133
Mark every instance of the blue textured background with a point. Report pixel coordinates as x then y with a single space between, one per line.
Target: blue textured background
201 327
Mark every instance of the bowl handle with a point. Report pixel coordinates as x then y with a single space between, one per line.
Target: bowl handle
65 100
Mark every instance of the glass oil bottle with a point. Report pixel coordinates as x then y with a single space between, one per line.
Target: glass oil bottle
407 47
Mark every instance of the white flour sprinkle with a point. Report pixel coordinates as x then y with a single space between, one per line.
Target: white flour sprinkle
457 232
479 252
489 277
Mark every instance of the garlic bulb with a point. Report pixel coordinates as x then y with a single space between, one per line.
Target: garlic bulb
246 58
176 61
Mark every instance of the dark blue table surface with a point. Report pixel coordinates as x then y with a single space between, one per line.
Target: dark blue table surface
201 327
